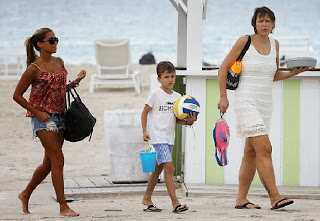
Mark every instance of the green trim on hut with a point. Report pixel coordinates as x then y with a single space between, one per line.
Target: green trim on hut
213 172
291 132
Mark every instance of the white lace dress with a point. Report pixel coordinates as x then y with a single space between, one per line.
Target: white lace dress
253 97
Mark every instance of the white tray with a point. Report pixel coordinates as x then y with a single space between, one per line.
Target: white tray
301 62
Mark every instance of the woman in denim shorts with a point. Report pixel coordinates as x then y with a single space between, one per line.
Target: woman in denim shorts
46 108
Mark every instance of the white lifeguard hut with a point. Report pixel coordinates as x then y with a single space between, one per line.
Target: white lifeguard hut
295 124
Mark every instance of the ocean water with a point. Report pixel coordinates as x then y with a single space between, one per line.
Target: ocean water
151 25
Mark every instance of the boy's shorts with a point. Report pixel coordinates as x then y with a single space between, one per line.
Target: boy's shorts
163 153
55 123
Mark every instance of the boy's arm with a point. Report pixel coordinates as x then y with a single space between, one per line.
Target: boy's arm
144 119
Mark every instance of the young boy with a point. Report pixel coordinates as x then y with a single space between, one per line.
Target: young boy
162 131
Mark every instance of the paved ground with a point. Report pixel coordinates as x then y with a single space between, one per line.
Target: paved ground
85 188
98 199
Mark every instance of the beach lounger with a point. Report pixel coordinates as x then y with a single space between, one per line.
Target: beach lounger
114 66
12 64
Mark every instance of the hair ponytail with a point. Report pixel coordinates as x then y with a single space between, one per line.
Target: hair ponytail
31 54
31 43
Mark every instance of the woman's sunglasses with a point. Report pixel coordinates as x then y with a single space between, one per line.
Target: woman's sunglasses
52 40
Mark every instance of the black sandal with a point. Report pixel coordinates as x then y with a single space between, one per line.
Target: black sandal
244 206
149 209
278 206
180 208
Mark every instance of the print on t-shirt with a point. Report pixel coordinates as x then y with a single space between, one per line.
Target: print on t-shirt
168 107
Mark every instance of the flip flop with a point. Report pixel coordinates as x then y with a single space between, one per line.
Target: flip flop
277 206
244 206
149 209
221 137
180 208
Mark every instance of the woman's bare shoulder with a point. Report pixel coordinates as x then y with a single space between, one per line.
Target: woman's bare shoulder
241 42
59 60
33 67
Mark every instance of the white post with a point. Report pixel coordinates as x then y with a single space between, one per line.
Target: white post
196 87
195 137
189 55
194 35
182 37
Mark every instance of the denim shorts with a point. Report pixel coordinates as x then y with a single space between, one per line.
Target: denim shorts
163 153
55 123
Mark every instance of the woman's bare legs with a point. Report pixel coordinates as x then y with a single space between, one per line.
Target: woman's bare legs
52 143
263 150
38 176
246 174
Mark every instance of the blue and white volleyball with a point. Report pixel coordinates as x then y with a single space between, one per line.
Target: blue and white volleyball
185 105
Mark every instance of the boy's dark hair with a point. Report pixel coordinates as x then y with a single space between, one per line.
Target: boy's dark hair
262 11
165 66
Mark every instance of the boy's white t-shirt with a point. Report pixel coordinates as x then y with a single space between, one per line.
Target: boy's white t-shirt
161 118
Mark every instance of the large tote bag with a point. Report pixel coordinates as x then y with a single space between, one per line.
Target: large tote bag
79 121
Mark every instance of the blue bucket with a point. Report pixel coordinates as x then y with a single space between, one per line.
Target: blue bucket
148 161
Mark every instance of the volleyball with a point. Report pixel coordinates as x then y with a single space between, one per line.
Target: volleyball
185 105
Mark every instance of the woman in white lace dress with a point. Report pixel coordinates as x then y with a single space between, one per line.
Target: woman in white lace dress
253 105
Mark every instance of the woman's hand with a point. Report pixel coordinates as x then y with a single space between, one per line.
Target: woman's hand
223 105
282 75
82 74
298 70
42 116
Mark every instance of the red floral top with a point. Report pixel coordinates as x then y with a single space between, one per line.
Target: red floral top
48 92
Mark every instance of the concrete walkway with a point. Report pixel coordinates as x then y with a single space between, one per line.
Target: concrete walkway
97 199
206 202
86 188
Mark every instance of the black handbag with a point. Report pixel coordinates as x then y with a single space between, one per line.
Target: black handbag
79 121
235 70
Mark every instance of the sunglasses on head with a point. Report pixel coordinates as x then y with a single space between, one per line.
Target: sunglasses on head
52 40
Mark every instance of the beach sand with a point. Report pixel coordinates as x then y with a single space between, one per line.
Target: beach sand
20 155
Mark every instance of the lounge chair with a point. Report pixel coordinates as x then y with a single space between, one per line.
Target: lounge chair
114 66
12 64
